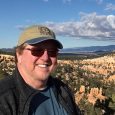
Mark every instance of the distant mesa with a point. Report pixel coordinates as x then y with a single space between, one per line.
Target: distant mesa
91 49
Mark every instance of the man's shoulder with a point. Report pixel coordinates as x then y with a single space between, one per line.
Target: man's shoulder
61 85
6 84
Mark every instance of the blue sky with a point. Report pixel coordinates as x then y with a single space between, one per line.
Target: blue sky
77 23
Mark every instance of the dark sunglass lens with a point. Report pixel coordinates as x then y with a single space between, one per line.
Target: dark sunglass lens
36 52
52 53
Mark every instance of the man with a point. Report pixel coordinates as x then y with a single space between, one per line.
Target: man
32 90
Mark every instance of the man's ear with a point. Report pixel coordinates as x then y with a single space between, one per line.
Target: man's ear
19 57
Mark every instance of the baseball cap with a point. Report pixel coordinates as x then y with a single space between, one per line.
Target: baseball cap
36 34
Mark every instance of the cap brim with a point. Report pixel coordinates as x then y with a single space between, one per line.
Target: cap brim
43 39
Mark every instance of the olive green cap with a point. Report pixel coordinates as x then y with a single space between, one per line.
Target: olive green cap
37 34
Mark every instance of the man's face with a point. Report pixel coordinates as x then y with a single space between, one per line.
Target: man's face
38 61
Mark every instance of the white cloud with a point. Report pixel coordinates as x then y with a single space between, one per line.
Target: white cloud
111 20
110 7
92 26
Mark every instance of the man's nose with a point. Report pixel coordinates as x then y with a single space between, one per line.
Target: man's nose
45 55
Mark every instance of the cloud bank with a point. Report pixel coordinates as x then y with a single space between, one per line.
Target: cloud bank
91 26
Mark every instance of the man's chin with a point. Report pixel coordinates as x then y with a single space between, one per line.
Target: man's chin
43 77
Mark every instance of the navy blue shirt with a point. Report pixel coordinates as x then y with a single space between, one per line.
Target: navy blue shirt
45 103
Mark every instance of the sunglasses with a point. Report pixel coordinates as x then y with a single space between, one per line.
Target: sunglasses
40 52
